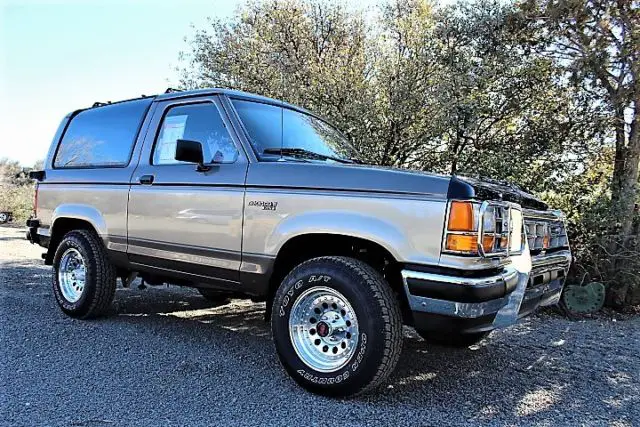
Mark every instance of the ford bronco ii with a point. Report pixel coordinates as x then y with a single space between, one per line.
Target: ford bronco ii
240 195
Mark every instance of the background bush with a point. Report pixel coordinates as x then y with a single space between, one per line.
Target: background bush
18 200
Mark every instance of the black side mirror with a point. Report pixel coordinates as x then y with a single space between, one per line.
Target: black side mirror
191 152
37 175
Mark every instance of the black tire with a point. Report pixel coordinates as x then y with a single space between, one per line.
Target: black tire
452 339
100 276
215 297
379 320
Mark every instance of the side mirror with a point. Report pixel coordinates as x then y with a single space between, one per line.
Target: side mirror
37 175
191 152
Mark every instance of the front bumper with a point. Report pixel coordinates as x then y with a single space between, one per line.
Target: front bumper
444 302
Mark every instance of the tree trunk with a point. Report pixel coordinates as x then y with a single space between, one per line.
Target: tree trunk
624 197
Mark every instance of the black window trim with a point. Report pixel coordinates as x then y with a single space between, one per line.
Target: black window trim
182 102
275 104
98 166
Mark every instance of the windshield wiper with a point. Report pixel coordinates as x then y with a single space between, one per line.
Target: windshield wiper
286 151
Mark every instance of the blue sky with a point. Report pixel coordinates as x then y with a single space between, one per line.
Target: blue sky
59 56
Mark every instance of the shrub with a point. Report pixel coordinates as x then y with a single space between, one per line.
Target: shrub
17 199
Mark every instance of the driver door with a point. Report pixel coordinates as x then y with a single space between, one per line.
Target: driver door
182 222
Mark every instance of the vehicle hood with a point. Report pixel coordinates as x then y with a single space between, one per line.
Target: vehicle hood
369 178
462 187
351 177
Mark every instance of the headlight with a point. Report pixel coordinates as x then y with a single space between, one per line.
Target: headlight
486 229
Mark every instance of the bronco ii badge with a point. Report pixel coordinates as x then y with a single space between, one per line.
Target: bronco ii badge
267 206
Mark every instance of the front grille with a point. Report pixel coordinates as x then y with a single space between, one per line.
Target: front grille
545 230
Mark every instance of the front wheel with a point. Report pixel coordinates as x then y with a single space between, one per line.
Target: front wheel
336 326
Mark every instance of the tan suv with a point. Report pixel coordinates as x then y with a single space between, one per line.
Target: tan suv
241 195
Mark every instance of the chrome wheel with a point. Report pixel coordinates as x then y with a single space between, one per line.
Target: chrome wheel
71 275
323 329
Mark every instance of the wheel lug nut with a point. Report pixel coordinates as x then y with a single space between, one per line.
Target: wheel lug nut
335 350
325 348
312 331
317 342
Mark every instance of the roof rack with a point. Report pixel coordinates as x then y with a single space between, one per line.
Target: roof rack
172 90
100 104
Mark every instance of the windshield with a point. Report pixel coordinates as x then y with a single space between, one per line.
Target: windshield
271 127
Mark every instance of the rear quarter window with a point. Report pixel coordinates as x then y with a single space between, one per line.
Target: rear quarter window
102 136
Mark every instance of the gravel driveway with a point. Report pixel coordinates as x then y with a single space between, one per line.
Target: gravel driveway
166 357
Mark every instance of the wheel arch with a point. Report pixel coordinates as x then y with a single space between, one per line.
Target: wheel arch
303 247
65 220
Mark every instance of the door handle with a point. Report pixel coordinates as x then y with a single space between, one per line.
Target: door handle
146 179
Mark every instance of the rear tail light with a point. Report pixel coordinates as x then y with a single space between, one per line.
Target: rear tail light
35 201
486 229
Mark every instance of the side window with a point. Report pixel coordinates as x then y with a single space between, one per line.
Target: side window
102 136
194 122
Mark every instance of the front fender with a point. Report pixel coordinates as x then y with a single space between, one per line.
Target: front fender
350 224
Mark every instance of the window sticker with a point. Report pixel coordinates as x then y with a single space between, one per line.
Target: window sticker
172 130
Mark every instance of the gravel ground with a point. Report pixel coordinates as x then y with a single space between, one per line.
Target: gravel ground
165 357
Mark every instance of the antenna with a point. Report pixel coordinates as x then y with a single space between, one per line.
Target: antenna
281 64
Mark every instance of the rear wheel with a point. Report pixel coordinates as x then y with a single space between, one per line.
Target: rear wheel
337 326
84 281
452 339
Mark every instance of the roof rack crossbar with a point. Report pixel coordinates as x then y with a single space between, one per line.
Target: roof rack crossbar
172 90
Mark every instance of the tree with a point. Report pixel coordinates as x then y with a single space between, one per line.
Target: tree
310 53
504 105
597 42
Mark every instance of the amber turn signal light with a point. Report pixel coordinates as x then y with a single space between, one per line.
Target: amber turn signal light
460 216
464 243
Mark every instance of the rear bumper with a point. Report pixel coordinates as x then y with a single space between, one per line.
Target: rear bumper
443 302
35 233
32 231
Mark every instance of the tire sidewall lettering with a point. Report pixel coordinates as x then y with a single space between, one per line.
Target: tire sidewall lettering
296 287
304 371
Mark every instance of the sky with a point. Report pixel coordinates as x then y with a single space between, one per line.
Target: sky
59 56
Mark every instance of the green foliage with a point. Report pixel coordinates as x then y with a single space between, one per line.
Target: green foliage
16 190
586 200
597 45
18 200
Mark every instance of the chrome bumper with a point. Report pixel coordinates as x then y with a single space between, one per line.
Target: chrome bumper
529 282
508 279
